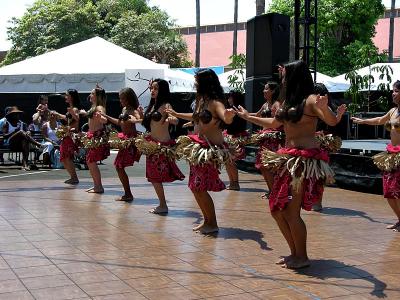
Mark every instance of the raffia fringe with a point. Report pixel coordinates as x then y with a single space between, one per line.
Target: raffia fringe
257 138
63 131
386 161
300 168
329 142
237 141
117 143
196 154
153 148
93 142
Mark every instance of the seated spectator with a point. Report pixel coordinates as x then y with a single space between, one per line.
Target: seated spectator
41 112
2 121
16 135
50 138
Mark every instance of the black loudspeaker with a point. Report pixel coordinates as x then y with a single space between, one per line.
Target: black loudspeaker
267 44
268 38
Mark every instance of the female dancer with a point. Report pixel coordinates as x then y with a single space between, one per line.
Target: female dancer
68 146
302 167
235 133
160 161
125 141
96 139
206 150
389 161
267 138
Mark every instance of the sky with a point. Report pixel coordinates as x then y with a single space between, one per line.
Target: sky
183 11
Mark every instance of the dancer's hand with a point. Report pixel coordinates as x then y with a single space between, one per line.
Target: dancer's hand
241 112
140 110
170 111
229 114
340 111
322 101
357 120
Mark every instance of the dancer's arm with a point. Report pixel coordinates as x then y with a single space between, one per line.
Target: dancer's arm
225 114
185 116
264 122
169 117
323 111
374 121
98 115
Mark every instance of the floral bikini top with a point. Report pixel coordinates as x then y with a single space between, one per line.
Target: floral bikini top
389 125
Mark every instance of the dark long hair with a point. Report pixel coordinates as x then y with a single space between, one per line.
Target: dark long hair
208 87
164 96
130 96
397 84
75 97
273 85
237 97
298 85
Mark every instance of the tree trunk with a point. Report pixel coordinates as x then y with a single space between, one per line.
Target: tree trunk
391 30
197 62
235 28
260 7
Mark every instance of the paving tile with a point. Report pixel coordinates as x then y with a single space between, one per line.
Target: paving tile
105 288
59 293
46 281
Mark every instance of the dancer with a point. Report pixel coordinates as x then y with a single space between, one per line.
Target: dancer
389 161
68 147
160 158
301 167
96 139
206 150
268 138
125 141
329 142
235 133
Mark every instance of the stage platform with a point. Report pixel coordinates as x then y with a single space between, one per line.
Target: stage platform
376 145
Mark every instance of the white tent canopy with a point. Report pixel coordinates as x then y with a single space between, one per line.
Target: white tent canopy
365 71
81 66
332 84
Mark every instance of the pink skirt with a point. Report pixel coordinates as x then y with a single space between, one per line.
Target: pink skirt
204 178
312 188
98 153
391 180
128 156
160 168
67 148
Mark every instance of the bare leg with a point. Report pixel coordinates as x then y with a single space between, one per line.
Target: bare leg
207 206
25 153
123 177
285 230
162 208
203 211
233 175
95 173
268 177
70 167
395 205
298 230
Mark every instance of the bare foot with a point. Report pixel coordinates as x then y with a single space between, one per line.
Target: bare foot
90 189
125 198
207 229
96 190
265 195
284 259
72 181
297 263
196 228
394 226
159 210
233 186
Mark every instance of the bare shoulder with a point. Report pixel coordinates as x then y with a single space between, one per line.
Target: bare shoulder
311 99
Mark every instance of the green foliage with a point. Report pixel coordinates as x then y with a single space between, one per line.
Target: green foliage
343 27
163 45
132 24
367 55
238 63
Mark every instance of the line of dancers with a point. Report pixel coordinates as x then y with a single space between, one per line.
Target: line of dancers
292 157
